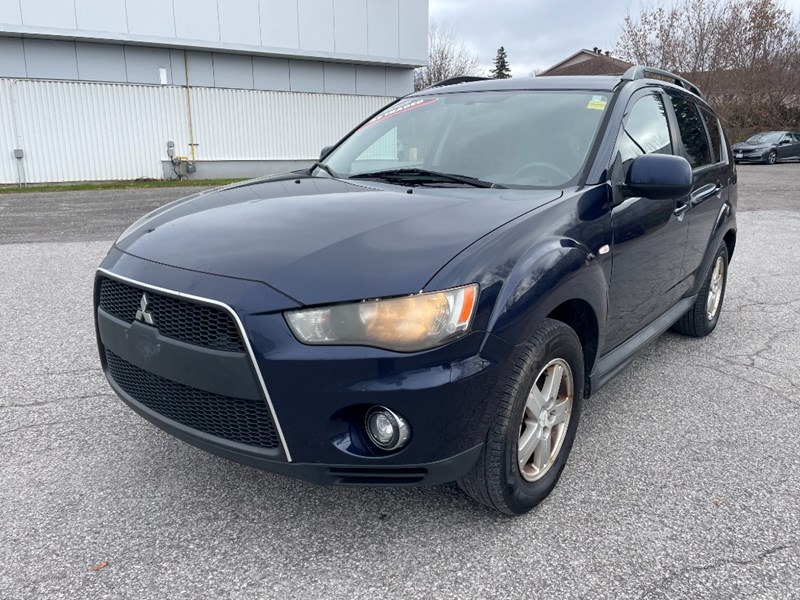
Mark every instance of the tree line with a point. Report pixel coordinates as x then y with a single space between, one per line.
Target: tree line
448 57
743 54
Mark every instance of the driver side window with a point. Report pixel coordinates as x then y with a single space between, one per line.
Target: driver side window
645 131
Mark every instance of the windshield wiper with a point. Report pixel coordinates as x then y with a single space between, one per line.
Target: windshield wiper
424 175
326 168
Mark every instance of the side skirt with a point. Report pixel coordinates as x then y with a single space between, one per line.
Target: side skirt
616 360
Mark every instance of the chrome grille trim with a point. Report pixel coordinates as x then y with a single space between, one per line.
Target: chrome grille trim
242 333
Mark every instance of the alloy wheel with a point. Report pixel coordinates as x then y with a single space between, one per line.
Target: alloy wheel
715 288
546 419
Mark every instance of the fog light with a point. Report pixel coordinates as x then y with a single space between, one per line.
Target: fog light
386 429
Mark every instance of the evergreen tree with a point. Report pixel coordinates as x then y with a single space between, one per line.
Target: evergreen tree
501 69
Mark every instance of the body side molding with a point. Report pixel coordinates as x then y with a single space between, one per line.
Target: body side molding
613 362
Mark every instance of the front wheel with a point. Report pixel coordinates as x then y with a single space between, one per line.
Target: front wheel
528 444
772 157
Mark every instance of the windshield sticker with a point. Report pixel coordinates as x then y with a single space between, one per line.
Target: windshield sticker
597 103
397 109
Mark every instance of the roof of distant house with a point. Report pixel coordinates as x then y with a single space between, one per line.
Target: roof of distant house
588 62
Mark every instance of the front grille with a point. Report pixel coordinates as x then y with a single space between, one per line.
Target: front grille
235 419
198 324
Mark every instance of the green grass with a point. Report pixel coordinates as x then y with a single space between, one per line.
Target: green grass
115 185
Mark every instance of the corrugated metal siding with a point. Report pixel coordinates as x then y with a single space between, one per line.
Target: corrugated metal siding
73 131
8 166
83 131
247 124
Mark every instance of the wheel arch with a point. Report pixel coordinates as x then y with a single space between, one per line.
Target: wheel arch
562 280
730 241
724 231
581 317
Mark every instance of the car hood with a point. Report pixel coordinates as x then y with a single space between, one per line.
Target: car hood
750 145
321 240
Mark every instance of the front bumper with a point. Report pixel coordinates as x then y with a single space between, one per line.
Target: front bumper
750 156
319 394
344 473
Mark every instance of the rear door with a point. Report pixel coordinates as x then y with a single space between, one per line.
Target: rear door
648 235
789 146
703 146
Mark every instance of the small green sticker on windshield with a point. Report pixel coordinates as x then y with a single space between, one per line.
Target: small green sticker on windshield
597 103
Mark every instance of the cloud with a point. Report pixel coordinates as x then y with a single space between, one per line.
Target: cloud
537 33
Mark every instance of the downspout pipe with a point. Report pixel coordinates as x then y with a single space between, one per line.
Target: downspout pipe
192 144
21 179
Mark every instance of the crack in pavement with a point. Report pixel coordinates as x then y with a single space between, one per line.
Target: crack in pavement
761 304
750 364
656 587
59 422
17 371
55 400
704 365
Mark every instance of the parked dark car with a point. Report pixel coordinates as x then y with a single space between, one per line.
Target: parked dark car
434 299
768 147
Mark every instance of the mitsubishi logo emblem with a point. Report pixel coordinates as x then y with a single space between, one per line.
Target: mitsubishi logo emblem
142 314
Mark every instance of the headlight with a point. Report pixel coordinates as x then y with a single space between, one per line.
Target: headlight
407 324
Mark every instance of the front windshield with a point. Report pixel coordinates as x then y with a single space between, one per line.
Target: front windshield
519 138
771 137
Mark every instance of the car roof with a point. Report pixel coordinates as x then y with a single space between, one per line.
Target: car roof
588 83
584 83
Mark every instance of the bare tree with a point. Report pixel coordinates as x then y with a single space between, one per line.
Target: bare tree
743 53
447 57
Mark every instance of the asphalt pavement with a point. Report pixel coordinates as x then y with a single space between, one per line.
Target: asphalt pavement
684 481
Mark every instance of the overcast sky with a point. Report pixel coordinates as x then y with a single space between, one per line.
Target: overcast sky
537 33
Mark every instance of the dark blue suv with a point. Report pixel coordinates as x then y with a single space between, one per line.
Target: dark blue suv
434 298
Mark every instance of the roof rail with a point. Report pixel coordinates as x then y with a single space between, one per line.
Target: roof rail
640 72
459 79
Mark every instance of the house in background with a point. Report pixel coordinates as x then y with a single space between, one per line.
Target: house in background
127 89
588 62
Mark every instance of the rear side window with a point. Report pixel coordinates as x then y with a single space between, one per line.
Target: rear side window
646 130
714 133
693 132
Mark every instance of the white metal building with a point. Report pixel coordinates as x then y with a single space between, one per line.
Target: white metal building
97 89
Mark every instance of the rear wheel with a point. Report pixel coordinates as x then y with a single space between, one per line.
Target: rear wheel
531 437
702 318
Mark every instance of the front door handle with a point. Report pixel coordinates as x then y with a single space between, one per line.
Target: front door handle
681 209
705 192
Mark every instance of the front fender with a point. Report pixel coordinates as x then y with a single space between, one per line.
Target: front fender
529 267
551 273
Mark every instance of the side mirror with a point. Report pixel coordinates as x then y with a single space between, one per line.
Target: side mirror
325 151
659 176
785 142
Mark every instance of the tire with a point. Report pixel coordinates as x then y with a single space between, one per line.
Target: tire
772 157
700 320
498 480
